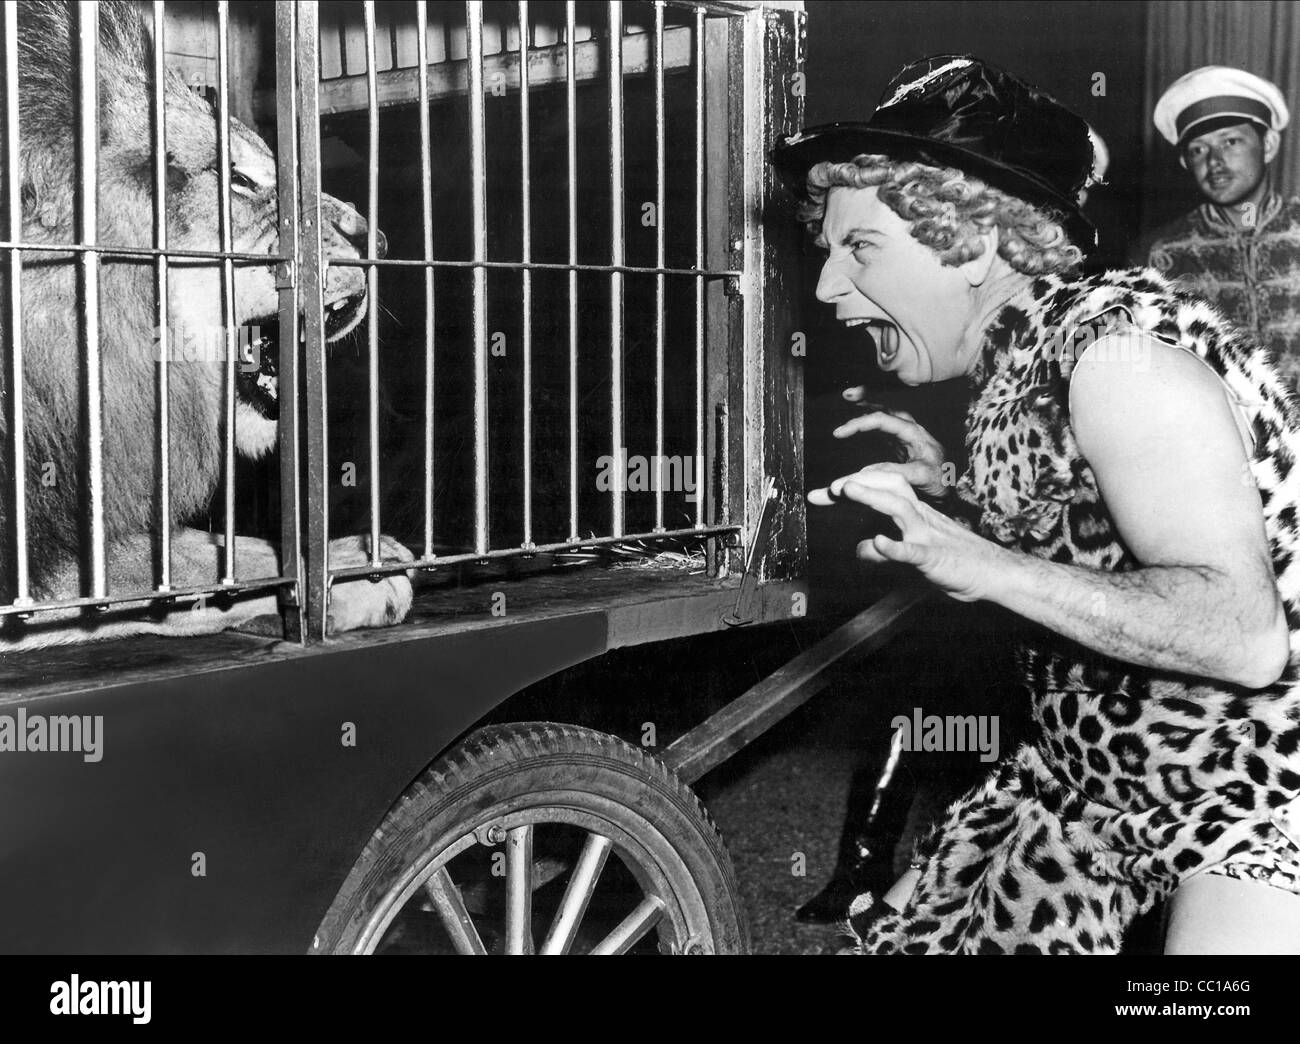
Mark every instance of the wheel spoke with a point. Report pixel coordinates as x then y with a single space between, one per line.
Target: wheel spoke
451 910
546 870
519 891
577 894
632 927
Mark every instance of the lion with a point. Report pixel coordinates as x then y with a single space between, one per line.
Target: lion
53 379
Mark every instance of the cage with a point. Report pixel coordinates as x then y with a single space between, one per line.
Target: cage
504 289
575 357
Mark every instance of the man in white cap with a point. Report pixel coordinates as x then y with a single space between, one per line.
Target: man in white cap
1240 249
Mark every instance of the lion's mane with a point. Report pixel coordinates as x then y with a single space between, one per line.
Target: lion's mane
55 392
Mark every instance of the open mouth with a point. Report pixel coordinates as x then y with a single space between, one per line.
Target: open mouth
883 335
257 374
343 313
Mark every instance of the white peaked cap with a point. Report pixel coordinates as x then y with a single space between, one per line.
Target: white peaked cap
1214 92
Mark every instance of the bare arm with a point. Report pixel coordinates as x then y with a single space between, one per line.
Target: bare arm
1161 440
1158 432
1194 619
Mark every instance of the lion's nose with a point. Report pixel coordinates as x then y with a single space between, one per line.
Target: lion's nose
355 228
361 241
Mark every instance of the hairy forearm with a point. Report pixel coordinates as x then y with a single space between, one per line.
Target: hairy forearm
1192 619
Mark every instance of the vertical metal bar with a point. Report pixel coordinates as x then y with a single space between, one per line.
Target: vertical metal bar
227 284
726 378
161 338
426 214
478 180
571 125
699 267
286 123
758 451
88 233
659 263
372 278
14 309
617 256
310 283
519 890
526 251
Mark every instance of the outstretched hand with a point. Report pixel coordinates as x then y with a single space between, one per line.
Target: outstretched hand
957 561
923 454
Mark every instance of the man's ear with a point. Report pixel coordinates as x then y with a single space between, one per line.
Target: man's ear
1272 142
1182 159
976 270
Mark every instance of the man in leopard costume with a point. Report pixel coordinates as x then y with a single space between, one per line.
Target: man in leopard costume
1130 491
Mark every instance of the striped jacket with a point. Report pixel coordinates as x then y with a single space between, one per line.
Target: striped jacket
1252 275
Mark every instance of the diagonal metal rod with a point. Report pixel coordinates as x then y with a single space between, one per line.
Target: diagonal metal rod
754 712
447 901
577 895
632 928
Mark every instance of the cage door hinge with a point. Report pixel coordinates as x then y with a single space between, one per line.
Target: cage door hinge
286 277
743 611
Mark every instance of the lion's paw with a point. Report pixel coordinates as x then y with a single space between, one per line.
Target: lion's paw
363 602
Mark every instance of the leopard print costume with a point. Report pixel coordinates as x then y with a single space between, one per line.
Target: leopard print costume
1137 778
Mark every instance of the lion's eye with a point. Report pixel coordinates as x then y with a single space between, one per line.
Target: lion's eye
240 181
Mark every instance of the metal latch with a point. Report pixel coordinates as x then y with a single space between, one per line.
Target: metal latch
743 613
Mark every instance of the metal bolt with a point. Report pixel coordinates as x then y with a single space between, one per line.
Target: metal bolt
496 834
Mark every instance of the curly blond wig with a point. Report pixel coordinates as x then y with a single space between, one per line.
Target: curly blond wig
948 211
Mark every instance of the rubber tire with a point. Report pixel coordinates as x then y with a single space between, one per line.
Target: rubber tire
500 762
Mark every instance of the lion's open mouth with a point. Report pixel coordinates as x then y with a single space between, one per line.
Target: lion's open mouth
257 381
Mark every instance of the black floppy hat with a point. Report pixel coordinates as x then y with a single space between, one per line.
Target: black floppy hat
957 111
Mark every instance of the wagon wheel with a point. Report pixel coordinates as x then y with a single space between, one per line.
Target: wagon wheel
541 838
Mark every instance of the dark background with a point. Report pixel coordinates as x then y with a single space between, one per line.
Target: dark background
854 49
